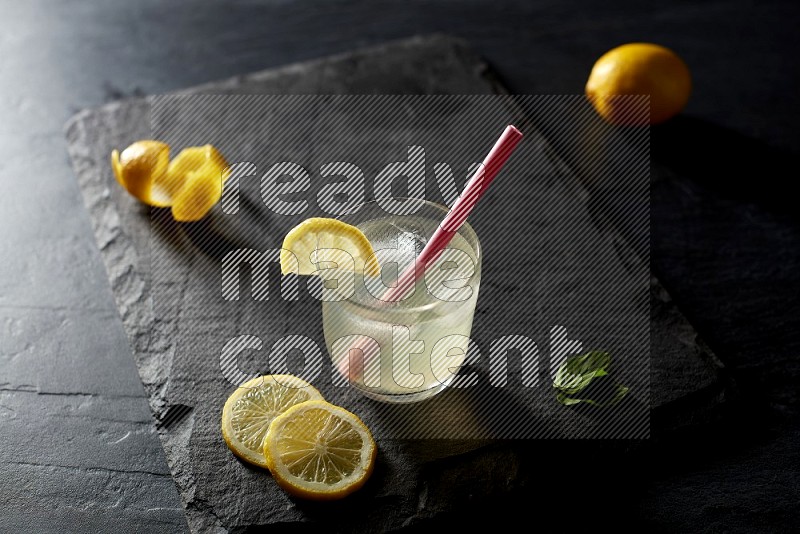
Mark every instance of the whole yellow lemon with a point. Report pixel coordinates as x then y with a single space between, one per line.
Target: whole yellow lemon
639 69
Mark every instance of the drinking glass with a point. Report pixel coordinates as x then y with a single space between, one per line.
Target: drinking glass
409 349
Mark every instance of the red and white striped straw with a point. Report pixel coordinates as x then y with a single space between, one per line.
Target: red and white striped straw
473 191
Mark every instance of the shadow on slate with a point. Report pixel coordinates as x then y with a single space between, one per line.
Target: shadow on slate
416 482
726 162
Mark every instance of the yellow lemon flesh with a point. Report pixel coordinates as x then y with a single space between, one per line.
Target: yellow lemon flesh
319 451
639 69
327 241
191 184
248 412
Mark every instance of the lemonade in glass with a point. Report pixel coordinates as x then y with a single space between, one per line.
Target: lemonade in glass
408 349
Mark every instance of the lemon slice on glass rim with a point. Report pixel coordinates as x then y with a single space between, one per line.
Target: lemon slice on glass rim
319 451
249 411
341 241
190 184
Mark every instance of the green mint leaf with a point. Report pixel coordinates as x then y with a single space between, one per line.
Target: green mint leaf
577 372
567 401
619 393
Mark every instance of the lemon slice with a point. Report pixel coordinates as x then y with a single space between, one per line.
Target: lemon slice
341 241
249 411
191 184
319 451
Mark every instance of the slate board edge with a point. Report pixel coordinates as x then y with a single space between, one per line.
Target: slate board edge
704 403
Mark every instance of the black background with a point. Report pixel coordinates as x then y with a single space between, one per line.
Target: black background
724 237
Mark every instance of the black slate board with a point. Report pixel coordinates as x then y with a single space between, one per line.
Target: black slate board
218 491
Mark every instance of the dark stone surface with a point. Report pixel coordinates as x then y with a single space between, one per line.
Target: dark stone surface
727 255
177 338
